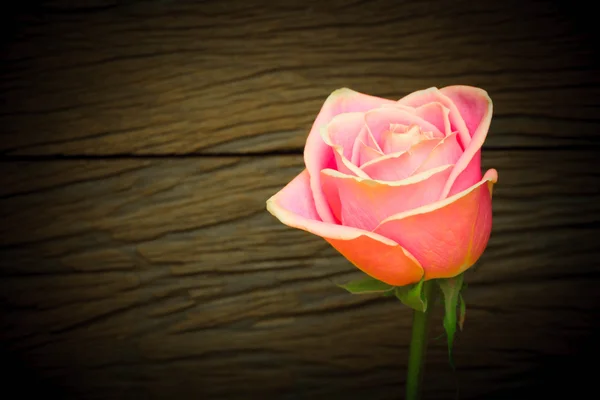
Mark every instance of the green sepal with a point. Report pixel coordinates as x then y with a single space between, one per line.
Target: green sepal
451 290
413 296
367 285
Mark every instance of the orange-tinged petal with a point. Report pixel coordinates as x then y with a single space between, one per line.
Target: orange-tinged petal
388 263
366 202
374 254
398 166
317 154
449 236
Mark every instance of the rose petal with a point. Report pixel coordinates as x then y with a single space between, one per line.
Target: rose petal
468 167
379 120
317 154
382 260
341 162
393 142
366 139
332 195
366 202
434 95
343 130
374 254
345 166
400 128
448 151
398 166
367 153
437 114
471 102
296 197
448 236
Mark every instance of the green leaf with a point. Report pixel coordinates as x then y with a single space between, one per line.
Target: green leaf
451 290
462 312
413 296
367 285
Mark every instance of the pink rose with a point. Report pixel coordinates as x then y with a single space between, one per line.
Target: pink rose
396 186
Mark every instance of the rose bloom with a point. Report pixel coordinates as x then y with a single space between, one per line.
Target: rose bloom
396 186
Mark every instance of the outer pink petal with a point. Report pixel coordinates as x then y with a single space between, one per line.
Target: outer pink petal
365 202
317 154
468 168
467 178
433 94
296 197
398 166
471 102
449 236
448 151
379 120
374 254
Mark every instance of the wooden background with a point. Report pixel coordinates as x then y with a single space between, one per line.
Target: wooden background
141 139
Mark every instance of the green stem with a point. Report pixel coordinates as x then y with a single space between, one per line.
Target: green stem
418 344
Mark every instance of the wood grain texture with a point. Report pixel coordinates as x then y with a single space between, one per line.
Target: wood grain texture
175 77
168 279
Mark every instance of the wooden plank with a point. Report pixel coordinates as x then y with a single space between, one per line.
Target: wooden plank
250 76
167 278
